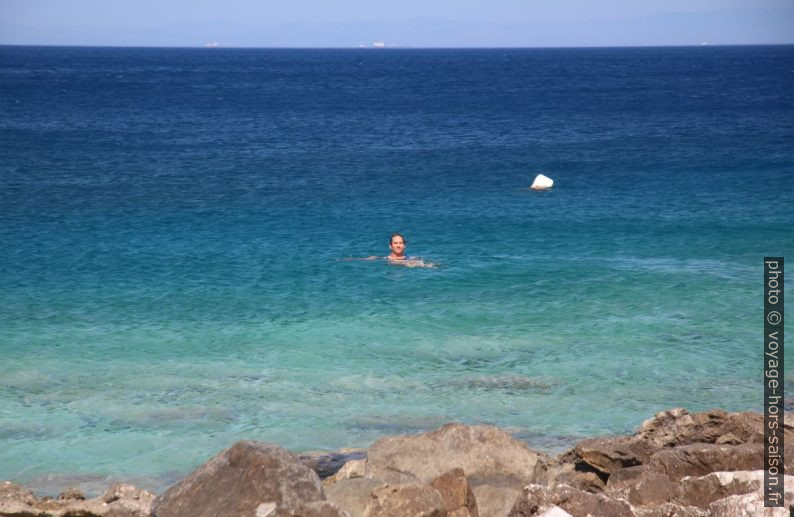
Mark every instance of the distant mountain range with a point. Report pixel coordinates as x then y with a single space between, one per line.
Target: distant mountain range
727 27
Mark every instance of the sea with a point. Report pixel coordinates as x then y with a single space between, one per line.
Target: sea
177 227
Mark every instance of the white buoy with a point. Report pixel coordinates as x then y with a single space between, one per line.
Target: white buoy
542 182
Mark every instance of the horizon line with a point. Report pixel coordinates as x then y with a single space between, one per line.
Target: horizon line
213 47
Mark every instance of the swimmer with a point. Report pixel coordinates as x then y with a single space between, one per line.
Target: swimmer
397 247
397 256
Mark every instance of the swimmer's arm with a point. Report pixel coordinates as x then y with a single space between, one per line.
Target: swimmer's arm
351 259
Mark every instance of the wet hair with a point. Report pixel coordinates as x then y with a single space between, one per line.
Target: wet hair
391 239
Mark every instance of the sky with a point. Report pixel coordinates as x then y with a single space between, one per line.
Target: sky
349 23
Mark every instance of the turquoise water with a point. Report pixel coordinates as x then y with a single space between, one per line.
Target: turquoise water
173 223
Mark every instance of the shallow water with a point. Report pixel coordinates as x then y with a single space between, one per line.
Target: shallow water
174 222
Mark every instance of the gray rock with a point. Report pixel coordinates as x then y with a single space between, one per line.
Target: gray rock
72 493
238 480
749 505
352 495
412 500
495 500
127 501
118 501
321 509
552 511
456 493
351 469
487 454
572 500
669 510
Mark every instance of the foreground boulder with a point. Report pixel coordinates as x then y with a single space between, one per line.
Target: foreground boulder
488 455
249 478
353 495
117 501
414 500
459 499
574 501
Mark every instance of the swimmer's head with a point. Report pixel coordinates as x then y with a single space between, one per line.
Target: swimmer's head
397 244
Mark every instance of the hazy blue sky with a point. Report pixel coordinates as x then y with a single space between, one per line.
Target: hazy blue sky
403 22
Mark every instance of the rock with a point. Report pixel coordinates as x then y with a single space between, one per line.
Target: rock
413 500
12 492
728 439
552 511
704 490
351 469
610 454
572 500
322 509
651 488
72 493
487 455
127 501
238 480
748 504
679 427
494 500
578 475
352 495
622 480
16 500
327 464
669 510
456 492
699 459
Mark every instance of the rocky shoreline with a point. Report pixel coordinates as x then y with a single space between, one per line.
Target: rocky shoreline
676 464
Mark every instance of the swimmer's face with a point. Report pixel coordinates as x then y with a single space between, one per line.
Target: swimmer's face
397 245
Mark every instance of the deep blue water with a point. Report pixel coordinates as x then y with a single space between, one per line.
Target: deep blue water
172 223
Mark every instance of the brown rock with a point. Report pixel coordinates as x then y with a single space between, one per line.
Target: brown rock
699 459
578 475
622 480
572 500
352 495
704 490
679 427
456 492
238 480
487 454
607 455
641 485
652 488
494 500
413 500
